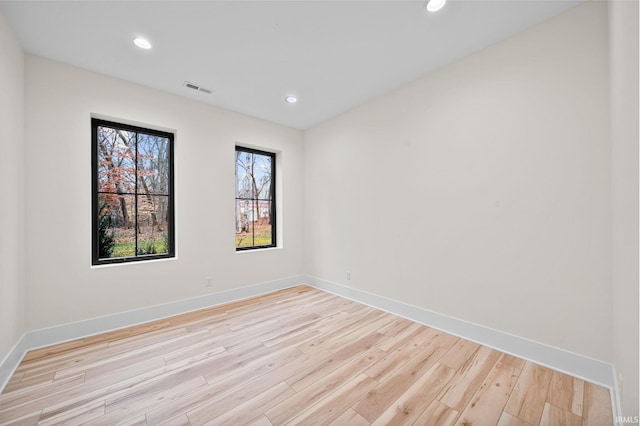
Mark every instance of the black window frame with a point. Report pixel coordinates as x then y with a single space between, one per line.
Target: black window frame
96 260
273 216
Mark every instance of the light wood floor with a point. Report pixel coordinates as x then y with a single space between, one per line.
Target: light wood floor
298 356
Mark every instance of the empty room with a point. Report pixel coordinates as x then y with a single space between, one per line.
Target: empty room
319 212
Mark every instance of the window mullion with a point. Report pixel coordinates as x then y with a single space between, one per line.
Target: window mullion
253 202
135 197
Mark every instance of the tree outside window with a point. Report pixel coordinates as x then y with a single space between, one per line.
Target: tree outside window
255 199
132 193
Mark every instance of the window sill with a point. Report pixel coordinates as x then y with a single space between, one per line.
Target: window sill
139 262
259 250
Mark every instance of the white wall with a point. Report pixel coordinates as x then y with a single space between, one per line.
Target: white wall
623 42
12 299
482 190
62 285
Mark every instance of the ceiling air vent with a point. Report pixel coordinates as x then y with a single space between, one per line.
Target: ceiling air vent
196 87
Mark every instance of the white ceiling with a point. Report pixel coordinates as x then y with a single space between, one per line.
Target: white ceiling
333 55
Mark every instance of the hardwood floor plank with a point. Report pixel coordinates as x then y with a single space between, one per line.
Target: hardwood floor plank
397 326
30 419
220 385
487 404
444 340
35 393
438 414
17 376
315 391
597 406
229 397
298 356
331 407
552 416
513 362
256 362
338 330
468 378
458 355
395 358
32 400
530 394
145 400
566 392
292 338
251 410
381 397
373 325
50 352
121 355
89 392
354 307
155 393
414 401
508 420
27 382
157 415
262 421
408 334
41 371
327 323
268 330
315 373
138 421
78 416
350 418
207 347
13 413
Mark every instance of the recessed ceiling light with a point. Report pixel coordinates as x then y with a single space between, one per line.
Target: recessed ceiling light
291 99
435 5
142 43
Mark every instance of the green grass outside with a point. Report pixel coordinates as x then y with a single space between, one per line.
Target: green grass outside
262 238
128 248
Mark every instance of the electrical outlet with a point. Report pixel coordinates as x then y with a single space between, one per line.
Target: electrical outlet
208 282
348 276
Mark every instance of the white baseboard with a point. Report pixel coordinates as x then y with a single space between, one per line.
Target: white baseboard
12 360
580 366
616 397
586 368
62 333
66 332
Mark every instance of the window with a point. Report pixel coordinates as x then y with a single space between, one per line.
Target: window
133 203
255 199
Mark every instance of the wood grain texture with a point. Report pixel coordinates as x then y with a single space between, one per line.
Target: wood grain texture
489 401
296 356
597 406
527 399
